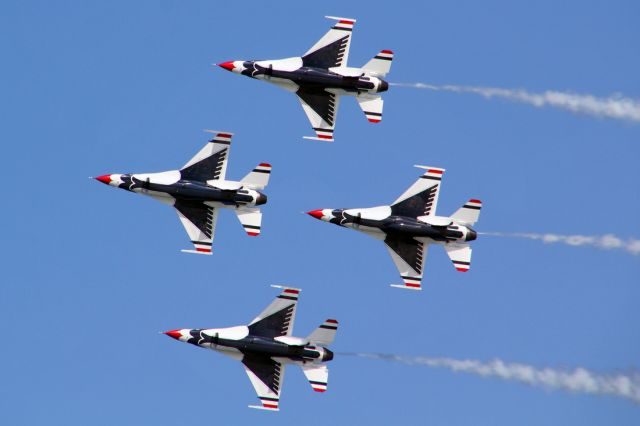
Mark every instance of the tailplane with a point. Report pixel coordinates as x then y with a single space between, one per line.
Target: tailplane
318 376
324 334
380 65
469 213
258 178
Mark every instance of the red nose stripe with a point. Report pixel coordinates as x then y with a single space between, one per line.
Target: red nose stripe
104 179
316 213
227 65
173 333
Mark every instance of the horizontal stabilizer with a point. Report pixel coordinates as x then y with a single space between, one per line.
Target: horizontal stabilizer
371 105
469 213
251 220
318 376
380 65
258 178
324 334
460 255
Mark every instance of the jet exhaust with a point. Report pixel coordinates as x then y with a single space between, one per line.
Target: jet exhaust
578 380
615 106
605 242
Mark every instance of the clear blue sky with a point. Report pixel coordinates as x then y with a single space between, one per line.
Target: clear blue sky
91 274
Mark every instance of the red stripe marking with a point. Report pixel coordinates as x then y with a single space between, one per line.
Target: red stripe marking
264 165
438 172
374 120
332 321
324 136
411 284
203 250
475 201
269 405
346 22
387 51
462 269
253 234
290 290
224 135
319 390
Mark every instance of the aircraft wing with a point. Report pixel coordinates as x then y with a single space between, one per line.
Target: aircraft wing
408 256
332 50
421 199
321 108
277 319
199 220
210 163
266 376
460 255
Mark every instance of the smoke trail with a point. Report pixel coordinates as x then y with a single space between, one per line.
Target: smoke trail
578 380
607 242
615 106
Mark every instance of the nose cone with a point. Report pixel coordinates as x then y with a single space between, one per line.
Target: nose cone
229 66
316 213
321 214
262 199
106 179
384 86
471 235
174 333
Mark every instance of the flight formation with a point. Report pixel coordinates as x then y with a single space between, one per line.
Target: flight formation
199 190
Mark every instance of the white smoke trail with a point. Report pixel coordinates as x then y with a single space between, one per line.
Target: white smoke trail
615 106
607 242
577 380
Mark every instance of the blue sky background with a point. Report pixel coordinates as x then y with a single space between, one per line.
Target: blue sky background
91 274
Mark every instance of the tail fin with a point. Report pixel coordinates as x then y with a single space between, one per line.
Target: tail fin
258 178
469 213
324 334
380 65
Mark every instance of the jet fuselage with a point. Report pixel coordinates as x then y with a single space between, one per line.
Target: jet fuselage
238 339
283 70
376 220
160 185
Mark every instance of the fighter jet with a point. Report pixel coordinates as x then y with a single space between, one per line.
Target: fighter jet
410 225
321 76
199 190
266 346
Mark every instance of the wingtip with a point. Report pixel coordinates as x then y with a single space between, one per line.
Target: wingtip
406 287
315 138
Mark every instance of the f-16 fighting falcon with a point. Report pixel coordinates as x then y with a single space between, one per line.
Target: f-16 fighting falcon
410 224
321 76
266 345
199 189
